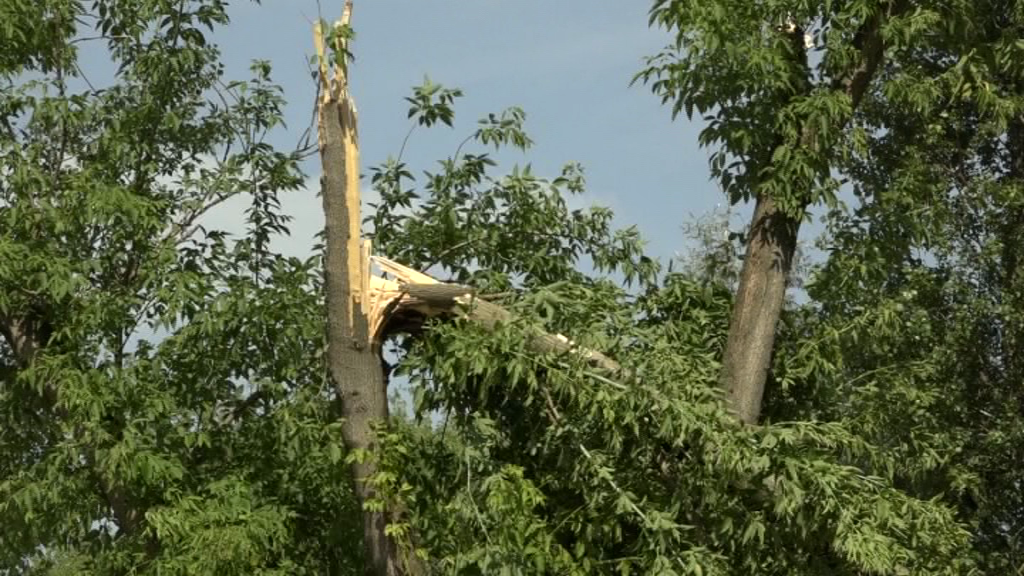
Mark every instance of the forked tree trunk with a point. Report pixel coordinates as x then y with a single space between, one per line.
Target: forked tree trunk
772 244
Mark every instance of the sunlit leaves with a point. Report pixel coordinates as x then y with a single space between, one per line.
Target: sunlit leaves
504 129
539 460
432 103
162 395
485 229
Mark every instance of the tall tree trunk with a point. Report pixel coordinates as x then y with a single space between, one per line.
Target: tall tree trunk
771 246
353 351
353 359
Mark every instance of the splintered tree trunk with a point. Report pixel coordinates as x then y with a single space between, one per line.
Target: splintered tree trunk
353 359
353 352
759 299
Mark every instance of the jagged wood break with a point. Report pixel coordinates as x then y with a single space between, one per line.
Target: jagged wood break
353 352
361 307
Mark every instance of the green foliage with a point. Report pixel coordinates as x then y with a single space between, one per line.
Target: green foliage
913 338
484 229
930 252
775 84
338 36
431 103
541 465
164 401
162 396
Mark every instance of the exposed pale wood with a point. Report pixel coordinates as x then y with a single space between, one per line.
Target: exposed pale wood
419 292
364 275
321 58
402 273
353 353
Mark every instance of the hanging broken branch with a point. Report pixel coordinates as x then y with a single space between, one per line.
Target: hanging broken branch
414 291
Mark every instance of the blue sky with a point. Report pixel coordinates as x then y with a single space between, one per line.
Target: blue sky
567 63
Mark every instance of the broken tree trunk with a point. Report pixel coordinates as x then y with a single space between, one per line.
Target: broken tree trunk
360 306
354 355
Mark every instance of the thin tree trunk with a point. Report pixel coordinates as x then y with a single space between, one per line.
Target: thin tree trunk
771 247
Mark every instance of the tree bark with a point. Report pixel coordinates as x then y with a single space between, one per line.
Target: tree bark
771 247
353 359
353 353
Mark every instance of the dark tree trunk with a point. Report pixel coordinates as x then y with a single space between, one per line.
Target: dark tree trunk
771 248
772 243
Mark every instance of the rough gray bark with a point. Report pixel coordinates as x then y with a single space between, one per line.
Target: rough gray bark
771 248
353 360
772 244
353 354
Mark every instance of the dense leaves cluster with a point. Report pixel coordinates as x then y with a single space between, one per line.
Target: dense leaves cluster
934 246
909 338
544 465
163 404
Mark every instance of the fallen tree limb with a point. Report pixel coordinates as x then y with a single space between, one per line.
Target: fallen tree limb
415 291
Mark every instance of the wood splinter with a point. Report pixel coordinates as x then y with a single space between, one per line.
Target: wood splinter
415 291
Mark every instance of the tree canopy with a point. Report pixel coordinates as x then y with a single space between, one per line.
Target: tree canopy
166 398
